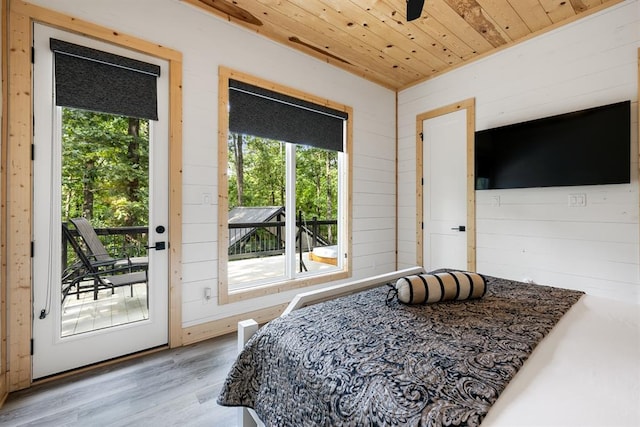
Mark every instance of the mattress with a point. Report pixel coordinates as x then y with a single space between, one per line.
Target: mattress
586 372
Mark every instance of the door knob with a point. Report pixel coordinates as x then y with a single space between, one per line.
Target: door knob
460 228
159 246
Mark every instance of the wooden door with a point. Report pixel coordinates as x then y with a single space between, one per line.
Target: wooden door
57 347
445 191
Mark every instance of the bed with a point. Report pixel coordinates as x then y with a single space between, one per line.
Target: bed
357 359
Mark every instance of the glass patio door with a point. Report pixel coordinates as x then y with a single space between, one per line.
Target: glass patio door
100 261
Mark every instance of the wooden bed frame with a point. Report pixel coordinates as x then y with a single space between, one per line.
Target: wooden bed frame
246 328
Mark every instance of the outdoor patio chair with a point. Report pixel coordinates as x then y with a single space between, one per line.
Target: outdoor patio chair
93 273
98 253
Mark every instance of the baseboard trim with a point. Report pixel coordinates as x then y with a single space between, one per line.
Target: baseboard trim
228 325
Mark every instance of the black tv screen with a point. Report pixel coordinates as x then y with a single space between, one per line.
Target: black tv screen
587 147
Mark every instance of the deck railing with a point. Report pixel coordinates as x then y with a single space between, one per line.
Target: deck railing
250 240
260 239
120 242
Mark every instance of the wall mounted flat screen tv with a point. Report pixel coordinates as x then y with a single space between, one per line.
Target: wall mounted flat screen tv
587 147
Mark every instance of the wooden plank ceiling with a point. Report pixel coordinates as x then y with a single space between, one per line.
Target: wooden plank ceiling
372 38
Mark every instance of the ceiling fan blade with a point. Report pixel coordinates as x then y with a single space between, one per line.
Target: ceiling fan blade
414 9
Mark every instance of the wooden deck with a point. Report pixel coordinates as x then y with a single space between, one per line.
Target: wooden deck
86 314
243 272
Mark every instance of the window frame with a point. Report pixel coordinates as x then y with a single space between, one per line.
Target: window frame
225 296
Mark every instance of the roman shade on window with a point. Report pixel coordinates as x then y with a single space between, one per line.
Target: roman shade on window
267 114
99 81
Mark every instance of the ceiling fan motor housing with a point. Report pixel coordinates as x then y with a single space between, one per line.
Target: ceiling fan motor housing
414 9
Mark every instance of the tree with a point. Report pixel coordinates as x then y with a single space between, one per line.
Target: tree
317 177
257 177
256 170
264 172
105 172
236 148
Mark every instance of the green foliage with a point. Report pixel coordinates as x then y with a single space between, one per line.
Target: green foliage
317 182
264 183
264 177
105 172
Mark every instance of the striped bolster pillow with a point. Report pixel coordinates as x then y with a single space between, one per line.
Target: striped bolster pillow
430 288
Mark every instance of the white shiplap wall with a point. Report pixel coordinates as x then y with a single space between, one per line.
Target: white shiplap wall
533 234
207 42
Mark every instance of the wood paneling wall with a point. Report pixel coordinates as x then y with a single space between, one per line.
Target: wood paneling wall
3 207
17 175
532 233
206 43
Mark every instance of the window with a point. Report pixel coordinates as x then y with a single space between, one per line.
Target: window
284 188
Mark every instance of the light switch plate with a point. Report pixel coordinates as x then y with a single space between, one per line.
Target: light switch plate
577 200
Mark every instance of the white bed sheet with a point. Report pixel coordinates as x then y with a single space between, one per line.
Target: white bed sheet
586 372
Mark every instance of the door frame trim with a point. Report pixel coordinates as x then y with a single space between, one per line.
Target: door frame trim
470 106
17 176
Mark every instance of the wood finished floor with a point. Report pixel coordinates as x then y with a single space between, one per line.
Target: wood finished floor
177 387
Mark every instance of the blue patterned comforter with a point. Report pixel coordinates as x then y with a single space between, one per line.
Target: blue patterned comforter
357 361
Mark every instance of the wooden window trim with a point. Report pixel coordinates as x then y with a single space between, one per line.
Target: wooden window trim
16 176
224 295
469 105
